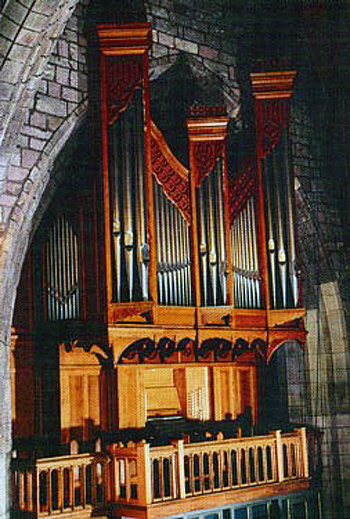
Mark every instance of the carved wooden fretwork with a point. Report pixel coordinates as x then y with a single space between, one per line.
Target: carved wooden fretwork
272 92
125 74
170 173
272 120
210 350
206 155
242 188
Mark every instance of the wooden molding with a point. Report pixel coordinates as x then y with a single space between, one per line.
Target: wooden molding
207 128
273 85
115 39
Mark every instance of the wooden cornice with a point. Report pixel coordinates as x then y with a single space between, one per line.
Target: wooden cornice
115 39
207 128
273 85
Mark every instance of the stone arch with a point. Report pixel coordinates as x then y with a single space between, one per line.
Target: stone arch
31 34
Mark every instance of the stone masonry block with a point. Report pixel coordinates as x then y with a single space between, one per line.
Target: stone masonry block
8 28
159 50
39 120
14 188
29 158
11 71
62 48
15 11
17 173
36 132
190 34
5 44
26 37
70 94
73 79
19 53
73 51
53 122
5 93
186 46
62 75
37 144
8 200
50 71
51 105
166 39
208 52
36 22
54 89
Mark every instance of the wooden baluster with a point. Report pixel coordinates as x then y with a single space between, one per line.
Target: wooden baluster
304 455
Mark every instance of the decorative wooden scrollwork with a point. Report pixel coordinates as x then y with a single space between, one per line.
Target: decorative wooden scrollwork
125 74
206 154
212 350
175 186
272 120
242 188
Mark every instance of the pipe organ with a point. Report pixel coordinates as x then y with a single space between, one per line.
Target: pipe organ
164 291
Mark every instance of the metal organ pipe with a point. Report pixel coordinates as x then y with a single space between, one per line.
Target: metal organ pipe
279 206
246 284
128 205
212 242
62 272
221 235
290 224
173 252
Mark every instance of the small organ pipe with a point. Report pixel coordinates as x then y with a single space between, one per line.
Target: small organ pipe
167 288
188 265
281 249
158 242
255 252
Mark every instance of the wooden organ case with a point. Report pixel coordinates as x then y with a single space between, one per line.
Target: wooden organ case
200 280
201 265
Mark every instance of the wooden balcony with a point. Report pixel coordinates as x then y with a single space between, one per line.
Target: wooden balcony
73 485
141 481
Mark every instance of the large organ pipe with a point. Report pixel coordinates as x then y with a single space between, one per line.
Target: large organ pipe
222 245
143 253
290 225
128 224
212 244
271 245
203 245
281 255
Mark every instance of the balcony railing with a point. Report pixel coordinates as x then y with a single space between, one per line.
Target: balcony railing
138 475
144 475
66 484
